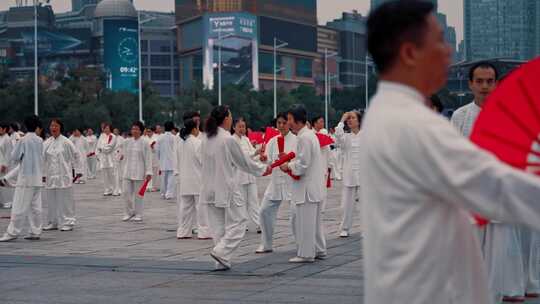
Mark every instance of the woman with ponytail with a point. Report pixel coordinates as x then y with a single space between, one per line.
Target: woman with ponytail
222 156
190 165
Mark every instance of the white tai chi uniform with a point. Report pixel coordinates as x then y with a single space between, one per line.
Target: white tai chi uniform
221 158
499 241
421 180
531 259
118 165
91 156
6 147
327 163
307 195
190 209
351 146
60 157
155 182
28 154
105 153
166 154
248 183
83 147
278 191
138 164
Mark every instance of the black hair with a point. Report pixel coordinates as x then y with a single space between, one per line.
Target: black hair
139 125
315 119
392 24
436 103
299 113
189 126
15 126
153 129
32 123
59 122
106 124
280 115
4 125
169 125
190 115
175 129
216 118
482 65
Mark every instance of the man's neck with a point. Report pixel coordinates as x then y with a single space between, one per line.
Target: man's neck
406 80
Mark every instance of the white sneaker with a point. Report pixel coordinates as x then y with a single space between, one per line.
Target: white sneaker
50 227
137 219
7 205
219 267
262 250
7 237
226 264
107 194
301 260
66 228
127 218
344 234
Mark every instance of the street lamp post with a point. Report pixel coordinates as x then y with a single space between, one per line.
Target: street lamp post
219 63
36 89
140 62
326 56
275 70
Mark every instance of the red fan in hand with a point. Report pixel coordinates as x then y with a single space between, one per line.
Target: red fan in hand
509 124
324 140
256 137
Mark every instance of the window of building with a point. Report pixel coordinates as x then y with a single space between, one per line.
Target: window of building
160 46
161 74
144 45
160 60
144 60
266 63
304 67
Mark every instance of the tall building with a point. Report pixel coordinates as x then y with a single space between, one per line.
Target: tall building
244 33
375 3
501 28
449 33
77 5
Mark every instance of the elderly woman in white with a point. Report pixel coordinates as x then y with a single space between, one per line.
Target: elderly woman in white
60 156
351 147
138 168
105 152
83 147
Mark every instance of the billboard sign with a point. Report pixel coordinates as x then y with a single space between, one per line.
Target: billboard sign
121 54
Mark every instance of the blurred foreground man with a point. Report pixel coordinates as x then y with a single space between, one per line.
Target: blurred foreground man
419 245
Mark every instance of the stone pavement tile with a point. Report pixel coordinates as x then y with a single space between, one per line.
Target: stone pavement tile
301 296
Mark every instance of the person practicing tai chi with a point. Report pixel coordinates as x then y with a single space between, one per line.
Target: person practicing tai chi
105 151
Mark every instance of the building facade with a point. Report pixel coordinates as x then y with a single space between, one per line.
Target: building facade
376 3
77 5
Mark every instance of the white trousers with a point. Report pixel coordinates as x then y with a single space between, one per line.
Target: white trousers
168 184
60 207
154 182
6 195
307 229
92 167
349 200
191 211
250 201
228 227
117 187
531 259
133 206
108 180
504 261
26 206
269 210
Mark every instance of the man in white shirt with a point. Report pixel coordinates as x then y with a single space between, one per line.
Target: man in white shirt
6 146
166 154
28 154
307 193
423 178
91 156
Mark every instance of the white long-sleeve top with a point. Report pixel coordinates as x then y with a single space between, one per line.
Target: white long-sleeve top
166 151
152 140
106 150
138 159
465 117
190 166
6 146
309 165
119 150
243 177
422 180
222 156
60 157
92 144
82 145
28 154
351 146
279 188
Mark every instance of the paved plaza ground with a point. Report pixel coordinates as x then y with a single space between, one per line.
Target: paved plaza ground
105 260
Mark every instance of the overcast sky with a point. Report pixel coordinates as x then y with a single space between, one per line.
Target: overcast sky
328 9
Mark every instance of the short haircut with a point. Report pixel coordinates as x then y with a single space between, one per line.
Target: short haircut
436 103
32 123
482 65
282 115
190 115
299 113
169 125
392 24
4 125
139 125
316 118
58 122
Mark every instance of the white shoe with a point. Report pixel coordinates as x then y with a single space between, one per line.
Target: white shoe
50 227
344 234
262 250
7 205
127 217
321 256
107 194
226 264
32 237
7 237
116 194
219 267
301 260
66 228
137 219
